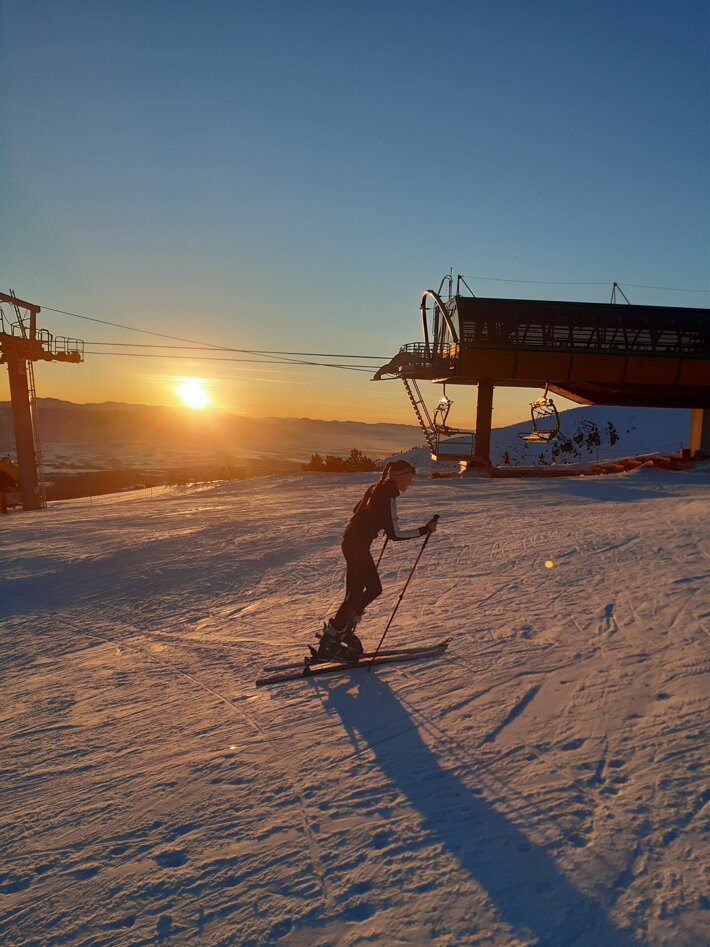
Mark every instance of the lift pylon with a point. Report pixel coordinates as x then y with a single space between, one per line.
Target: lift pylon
21 344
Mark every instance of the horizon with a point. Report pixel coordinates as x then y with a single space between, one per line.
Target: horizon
234 178
292 417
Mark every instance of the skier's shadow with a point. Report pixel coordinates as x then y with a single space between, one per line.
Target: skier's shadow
522 880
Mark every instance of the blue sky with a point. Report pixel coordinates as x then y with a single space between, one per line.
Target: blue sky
291 176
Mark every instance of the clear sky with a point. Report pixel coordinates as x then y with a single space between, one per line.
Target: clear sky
290 176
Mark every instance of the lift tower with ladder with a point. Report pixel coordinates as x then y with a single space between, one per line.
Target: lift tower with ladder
22 344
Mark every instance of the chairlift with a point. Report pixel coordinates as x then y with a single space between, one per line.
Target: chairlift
545 421
442 430
441 413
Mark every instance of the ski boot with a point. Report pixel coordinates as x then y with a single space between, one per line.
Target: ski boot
352 646
351 640
337 645
330 646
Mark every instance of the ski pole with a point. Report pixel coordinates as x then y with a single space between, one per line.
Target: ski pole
409 578
382 551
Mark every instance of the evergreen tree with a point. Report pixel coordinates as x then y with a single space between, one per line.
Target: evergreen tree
315 463
358 461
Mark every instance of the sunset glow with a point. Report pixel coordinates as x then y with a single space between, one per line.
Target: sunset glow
192 393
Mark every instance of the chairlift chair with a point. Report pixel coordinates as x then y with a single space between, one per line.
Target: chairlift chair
443 431
545 421
441 413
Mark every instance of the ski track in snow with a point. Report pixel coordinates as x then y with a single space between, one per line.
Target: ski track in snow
543 783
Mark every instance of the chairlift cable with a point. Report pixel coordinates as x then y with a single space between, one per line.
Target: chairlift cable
193 342
670 289
252 361
228 348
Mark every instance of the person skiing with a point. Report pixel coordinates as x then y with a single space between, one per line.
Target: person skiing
376 511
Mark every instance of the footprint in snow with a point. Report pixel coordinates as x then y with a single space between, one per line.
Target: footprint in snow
171 858
381 839
573 744
86 871
359 912
11 885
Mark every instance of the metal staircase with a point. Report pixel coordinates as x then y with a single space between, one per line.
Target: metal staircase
436 433
422 413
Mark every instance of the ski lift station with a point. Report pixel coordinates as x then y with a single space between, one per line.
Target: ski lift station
592 353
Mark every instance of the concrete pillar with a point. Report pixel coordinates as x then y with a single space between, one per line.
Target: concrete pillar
700 433
24 434
484 418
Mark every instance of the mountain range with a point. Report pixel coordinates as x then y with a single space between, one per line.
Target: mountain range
112 435
103 434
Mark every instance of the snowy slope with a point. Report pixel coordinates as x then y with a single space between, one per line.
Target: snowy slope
543 783
622 432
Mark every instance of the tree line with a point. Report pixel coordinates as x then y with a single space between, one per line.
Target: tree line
355 462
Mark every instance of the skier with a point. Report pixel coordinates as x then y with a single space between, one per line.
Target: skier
375 512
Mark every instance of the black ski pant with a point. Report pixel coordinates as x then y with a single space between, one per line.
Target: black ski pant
362 583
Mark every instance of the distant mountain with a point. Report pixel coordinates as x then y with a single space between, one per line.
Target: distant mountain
163 434
90 436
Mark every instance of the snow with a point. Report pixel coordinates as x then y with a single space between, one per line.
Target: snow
620 432
544 782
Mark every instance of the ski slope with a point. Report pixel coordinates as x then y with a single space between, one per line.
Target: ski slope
542 783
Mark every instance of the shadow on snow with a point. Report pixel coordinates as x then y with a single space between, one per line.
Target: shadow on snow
529 891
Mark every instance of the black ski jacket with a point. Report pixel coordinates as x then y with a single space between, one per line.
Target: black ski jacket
375 512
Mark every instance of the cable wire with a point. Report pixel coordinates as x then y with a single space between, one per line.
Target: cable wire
202 344
229 348
252 361
541 282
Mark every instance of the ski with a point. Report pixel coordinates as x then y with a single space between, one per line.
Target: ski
424 649
325 668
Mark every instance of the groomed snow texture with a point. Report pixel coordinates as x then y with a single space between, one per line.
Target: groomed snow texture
543 783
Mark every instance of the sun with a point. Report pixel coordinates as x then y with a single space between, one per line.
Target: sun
192 392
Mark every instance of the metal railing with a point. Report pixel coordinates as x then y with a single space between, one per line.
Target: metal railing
621 338
62 346
431 357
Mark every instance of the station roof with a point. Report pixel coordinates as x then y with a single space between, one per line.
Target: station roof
658 328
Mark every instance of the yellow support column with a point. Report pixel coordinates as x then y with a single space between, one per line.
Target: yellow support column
700 433
484 417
